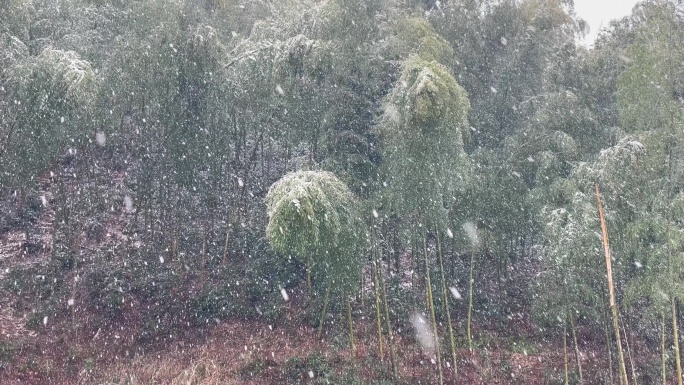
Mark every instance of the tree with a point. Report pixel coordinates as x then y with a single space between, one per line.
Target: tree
648 101
422 132
313 216
47 99
649 89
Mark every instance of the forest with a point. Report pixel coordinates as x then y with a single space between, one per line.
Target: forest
340 192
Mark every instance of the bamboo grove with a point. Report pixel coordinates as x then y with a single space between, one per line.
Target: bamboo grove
447 164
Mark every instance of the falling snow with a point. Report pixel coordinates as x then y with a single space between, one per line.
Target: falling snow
253 146
100 138
455 293
423 332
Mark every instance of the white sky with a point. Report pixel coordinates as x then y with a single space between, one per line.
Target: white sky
599 12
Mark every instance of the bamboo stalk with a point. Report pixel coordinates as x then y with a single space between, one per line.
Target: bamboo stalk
629 354
226 243
675 336
578 356
308 273
662 348
675 331
377 307
565 351
203 272
613 306
610 349
376 291
362 285
431 306
325 309
445 298
351 328
388 324
204 247
470 301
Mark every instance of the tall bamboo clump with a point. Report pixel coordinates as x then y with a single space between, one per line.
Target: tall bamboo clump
613 304
381 302
313 216
422 128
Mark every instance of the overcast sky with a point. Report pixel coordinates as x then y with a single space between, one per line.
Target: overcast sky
599 12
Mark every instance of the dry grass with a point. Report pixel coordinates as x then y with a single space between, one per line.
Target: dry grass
167 370
220 359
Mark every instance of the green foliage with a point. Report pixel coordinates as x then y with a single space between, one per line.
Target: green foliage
218 303
297 369
557 377
639 190
415 35
312 214
15 18
48 95
30 284
12 51
8 352
422 129
572 264
315 369
106 291
524 346
266 274
254 368
647 88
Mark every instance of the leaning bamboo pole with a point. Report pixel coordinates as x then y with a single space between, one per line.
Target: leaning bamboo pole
613 306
